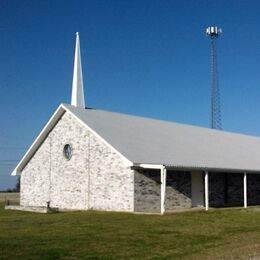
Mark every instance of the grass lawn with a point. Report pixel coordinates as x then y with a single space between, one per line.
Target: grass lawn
218 234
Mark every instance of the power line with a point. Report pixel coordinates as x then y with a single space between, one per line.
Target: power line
7 174
8 163
7 160
12 148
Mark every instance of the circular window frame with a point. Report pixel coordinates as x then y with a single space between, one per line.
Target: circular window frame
67 154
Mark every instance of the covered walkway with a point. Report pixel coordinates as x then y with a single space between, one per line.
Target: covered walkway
182 189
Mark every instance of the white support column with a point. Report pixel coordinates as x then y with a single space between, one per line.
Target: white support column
165 179
245 190
206 180
163 188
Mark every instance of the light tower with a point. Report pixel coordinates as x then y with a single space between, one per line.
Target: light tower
213 32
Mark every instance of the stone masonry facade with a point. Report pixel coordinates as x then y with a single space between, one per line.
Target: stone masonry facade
148 190
178 190
226 189
95 177
253 188
147 186
217 192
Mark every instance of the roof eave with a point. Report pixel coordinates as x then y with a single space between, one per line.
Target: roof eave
127 162
192 168
212 169
45 131
39 139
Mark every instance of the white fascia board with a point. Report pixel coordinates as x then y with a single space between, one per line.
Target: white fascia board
150 166
39 139
128 163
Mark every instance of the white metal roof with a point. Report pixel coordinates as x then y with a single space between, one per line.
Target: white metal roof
149 141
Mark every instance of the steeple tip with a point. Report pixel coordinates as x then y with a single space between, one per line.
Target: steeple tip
77 96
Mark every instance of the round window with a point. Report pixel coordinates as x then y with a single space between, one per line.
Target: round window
67 151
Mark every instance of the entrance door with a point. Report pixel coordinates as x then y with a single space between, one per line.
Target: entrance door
197 189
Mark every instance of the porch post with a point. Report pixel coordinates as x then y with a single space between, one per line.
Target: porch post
163 188
206 181
245 190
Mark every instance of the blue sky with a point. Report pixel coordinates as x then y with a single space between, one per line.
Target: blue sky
148 58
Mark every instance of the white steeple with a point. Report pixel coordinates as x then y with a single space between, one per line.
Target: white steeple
77 96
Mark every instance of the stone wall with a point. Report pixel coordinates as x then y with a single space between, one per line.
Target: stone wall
178 190
147 191
111 183
235 189
253 189
226 189
217 189
95 177
35 178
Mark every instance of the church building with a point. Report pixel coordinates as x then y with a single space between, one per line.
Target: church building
90 159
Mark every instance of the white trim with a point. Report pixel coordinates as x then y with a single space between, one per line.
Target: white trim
151 166
163 175
127 162
245 190
47 128
206 190
39 139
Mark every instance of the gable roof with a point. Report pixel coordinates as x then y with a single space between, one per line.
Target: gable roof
149 141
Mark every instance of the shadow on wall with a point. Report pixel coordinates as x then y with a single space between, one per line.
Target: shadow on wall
227 190
147 195
147 191
178 190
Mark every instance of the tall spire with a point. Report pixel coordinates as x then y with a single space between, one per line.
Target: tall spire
77 96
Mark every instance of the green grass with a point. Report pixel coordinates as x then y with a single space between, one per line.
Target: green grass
220 234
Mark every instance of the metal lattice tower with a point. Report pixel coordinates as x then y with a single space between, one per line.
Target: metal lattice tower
213 33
